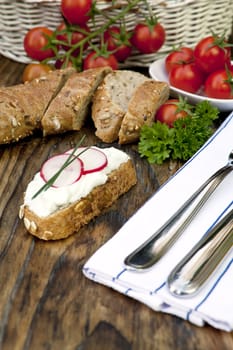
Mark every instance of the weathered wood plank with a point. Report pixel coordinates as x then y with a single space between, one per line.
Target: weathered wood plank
46 302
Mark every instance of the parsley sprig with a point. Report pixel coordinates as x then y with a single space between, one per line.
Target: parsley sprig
68 161
158 142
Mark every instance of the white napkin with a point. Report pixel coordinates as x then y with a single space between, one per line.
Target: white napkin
214 302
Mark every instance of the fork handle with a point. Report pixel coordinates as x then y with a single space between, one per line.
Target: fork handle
197 266
158 244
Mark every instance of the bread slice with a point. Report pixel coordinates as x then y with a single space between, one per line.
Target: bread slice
66 221
110 102
144 102
70 107
22 106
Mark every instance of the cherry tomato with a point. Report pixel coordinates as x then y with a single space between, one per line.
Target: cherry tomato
187 77
72 38
61 63
148 40
212 53
117 41
35 70
35 41
178 57
94 61
76 11
219 84
170 112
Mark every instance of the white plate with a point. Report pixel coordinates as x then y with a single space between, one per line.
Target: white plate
158 72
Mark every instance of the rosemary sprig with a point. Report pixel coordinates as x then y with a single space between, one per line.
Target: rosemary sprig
69 160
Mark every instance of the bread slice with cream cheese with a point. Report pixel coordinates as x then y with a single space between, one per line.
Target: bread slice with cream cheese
60 212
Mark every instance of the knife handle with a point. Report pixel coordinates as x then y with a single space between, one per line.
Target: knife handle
198 265
158 244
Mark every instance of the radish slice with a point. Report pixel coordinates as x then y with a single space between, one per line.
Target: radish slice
70 174
93 159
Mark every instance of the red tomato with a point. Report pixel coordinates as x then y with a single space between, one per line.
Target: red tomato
117 41
35 70
76 11
94 61
170 112
212 53
61 63
187 77
72 38
219 84
148 40
178 57
35 41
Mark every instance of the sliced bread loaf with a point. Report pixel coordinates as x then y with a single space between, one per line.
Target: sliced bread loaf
22 106
144 102
110 102
69 109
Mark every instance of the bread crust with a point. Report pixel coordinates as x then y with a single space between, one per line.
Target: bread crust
107 116
111 100
69 220
69 109
145 101
22 106
116 120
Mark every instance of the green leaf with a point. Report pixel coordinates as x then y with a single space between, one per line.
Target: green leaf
155 142
159 142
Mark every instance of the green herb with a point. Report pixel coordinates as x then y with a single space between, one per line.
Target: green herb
69 160
159 142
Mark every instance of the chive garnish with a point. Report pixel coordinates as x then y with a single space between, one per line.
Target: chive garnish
69 160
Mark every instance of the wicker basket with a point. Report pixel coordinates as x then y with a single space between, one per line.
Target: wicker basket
185 21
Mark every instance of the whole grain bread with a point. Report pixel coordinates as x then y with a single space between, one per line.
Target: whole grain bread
142 107
22 106
110 102
69 220
69 109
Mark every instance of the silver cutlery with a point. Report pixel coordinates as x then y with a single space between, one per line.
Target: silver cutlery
197 266
158 244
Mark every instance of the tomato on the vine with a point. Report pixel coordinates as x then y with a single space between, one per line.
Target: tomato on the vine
35 70
169 112
219 84
187 77
148 38
212 53
35 42
179 56
71 38
93 60
76 11
117 40
63 63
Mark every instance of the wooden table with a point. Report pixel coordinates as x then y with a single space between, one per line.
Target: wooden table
46 302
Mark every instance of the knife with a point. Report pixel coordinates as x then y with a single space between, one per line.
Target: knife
198 265
160 242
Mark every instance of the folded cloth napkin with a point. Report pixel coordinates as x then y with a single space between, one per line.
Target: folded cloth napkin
213 304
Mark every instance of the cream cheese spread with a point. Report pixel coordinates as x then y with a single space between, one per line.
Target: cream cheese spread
53 199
